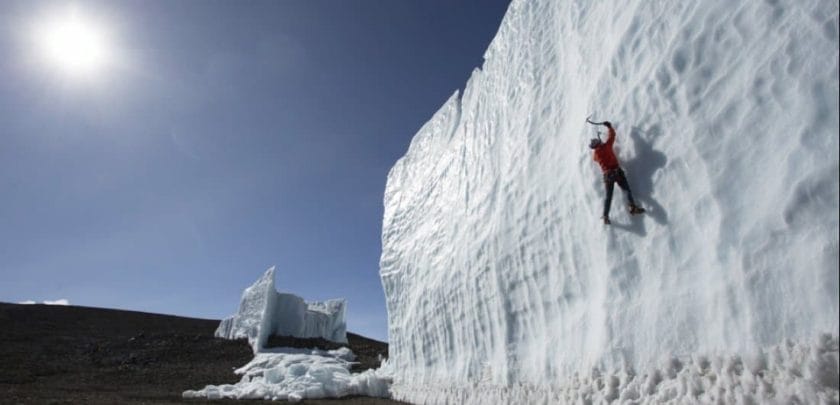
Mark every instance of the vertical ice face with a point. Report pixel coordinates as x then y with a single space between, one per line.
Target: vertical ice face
264 312
498 273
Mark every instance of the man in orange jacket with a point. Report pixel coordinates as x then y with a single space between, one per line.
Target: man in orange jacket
604 155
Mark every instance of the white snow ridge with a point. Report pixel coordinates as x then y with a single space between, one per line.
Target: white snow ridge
502 284
61 301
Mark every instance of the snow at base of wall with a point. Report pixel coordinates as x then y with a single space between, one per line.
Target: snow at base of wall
790 373
295 374
264 312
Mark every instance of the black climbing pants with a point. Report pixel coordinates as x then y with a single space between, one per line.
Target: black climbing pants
610 178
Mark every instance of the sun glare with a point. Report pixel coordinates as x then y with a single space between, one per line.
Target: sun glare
74 44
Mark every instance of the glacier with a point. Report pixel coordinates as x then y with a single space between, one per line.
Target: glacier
502 285
264 312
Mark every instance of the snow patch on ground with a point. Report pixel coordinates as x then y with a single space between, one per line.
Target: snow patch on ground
295 374
62 301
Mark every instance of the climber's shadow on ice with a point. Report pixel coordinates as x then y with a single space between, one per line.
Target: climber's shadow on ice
640 171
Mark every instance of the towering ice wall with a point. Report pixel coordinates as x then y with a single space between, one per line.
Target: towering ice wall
264 312
501 282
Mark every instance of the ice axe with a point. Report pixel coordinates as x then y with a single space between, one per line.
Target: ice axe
598 133
594 123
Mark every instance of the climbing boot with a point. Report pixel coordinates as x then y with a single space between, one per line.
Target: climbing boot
635 209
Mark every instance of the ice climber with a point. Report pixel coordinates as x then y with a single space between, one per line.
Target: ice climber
604 155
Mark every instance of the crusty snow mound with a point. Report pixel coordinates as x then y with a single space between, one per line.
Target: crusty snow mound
264 312
295 374
502 284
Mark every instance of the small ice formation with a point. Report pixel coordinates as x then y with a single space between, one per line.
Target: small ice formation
264 312
288 373
501 282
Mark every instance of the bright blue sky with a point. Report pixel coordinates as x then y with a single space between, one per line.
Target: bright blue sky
223 138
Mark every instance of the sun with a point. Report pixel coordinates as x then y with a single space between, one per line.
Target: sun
74 44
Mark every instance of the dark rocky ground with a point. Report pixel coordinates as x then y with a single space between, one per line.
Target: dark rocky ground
67 354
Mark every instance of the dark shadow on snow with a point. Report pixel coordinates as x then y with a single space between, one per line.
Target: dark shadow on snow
640 171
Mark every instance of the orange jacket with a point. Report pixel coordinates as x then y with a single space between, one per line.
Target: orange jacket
604 154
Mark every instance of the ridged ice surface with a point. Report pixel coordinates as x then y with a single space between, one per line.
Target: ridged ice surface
501 282
264 312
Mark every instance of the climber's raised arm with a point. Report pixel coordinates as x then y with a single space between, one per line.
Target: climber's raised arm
611 137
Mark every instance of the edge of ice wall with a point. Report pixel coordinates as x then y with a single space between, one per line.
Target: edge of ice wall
264 312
